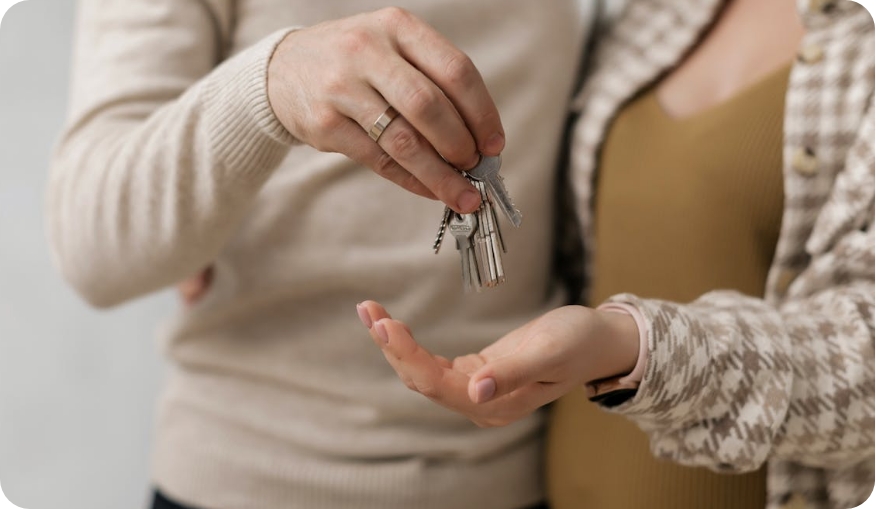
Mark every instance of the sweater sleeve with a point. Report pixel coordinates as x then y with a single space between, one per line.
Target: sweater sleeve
164 147
732 381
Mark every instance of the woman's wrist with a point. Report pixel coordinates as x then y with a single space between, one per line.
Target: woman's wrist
626 344
626 336
617 348
612 344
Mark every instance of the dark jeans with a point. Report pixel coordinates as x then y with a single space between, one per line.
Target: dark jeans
160 502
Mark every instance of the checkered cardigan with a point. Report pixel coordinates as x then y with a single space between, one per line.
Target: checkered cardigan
734 381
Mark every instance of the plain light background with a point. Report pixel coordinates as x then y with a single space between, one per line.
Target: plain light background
77 386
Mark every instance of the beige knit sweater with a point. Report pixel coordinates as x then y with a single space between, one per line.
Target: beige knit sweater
172 159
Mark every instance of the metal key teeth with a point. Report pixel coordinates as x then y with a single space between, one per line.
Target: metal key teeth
487 171
487 252
463 228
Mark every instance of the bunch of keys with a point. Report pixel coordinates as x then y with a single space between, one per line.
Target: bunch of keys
478 238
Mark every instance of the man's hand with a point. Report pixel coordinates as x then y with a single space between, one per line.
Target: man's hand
524 370
329 83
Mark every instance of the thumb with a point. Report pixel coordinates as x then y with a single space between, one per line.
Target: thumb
505 375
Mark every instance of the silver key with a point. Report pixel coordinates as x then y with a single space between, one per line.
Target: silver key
486 239
487 170
463 228
478 242
498 231
494 237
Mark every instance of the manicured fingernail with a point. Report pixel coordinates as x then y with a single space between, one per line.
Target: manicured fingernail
381 332
469 201
363 315
485 389
495 144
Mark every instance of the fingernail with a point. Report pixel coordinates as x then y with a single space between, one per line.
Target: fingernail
381 332
363 315
485 390
495 144
469 201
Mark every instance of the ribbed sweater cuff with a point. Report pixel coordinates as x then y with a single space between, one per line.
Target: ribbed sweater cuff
243 131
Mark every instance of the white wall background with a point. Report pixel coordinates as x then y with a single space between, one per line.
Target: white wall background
77 387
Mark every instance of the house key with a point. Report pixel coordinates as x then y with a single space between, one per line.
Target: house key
487 171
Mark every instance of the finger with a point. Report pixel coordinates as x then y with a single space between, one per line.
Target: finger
402 147
400 370
403 368
425 106
428 376
374 310
456 75
358 146
377 312
408 147
511 372
512 407
468 364
370 312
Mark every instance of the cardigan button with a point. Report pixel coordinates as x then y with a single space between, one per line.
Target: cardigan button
804 161
811 54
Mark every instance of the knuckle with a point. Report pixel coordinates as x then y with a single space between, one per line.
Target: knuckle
423 102
460 70
326 121
335 83
406 143
395 14
354 40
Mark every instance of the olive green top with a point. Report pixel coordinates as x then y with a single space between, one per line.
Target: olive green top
683 206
